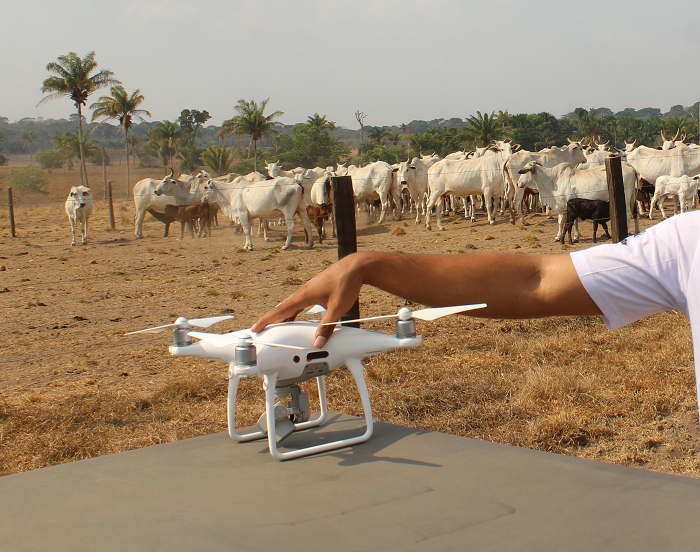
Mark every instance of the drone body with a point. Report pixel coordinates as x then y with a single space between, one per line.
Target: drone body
292 359
283 355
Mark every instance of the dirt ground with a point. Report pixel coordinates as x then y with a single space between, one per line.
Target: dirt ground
74 386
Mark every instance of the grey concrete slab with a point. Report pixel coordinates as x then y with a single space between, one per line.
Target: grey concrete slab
405 489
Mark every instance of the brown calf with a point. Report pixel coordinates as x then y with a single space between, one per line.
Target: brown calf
317 216
194 212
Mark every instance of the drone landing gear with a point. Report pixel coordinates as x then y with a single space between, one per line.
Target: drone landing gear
284 426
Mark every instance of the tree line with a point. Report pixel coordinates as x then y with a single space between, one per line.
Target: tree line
186 144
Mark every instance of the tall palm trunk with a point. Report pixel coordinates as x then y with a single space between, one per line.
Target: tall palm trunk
126 147
83 173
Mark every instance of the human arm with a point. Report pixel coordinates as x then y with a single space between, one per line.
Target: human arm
513 286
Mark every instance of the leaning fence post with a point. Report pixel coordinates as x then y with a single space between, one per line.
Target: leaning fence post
616 195
12 212
111 206
344 209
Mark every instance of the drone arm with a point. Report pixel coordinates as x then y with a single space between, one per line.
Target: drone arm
253 432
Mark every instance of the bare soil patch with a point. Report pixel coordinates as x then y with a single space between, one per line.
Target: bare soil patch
74 386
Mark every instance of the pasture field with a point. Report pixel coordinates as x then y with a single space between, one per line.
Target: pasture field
74 386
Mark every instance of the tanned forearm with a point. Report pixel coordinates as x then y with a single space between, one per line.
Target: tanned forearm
513 286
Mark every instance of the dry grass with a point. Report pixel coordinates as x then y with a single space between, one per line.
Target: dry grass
75 387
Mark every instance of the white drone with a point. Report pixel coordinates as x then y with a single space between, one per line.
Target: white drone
283 355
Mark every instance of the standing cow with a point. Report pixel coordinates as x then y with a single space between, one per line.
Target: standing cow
78 208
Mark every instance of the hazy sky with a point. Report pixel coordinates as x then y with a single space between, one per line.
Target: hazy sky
395 60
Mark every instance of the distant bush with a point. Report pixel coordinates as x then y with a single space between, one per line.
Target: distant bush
28 179
3 161
49 159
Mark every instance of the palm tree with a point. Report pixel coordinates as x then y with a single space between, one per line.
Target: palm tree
379 134
163 142
683 124
62 143
29 136
320 122
71 77
251 120
134 143
121 107
589 126
218 159
483 130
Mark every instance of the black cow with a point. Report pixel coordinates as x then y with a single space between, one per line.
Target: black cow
586 209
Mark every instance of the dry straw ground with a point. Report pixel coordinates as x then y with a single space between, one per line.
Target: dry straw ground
74 386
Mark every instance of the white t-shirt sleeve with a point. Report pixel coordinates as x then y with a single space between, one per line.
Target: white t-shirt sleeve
643 274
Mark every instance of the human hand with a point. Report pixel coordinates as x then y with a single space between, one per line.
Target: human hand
336 289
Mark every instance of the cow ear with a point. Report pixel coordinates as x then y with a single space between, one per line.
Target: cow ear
395 170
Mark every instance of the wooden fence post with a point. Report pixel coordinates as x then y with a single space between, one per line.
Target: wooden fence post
111 205
616 195
12 212
104 173
344 210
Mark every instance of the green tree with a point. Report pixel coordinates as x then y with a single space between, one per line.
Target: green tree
589 125
681 123
218 159
310 146
28 179
320 122
193 119
72 77
63 149
482 130
163 142
49 159
123 108
251 120
379 134
28 136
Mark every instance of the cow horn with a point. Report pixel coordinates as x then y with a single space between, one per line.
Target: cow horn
682 138
663 137
677 135
171 173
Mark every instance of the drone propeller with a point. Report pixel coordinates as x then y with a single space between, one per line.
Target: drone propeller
421 314
221 340
183 323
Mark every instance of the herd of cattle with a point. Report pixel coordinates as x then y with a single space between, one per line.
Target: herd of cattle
568 180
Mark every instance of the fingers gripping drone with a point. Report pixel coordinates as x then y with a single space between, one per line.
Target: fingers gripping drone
283 356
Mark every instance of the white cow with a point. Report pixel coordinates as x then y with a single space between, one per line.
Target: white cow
275 170
374 181
480 176
244 201
572 154
651 163
78 208
414 175
563 182
683 187
145 199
